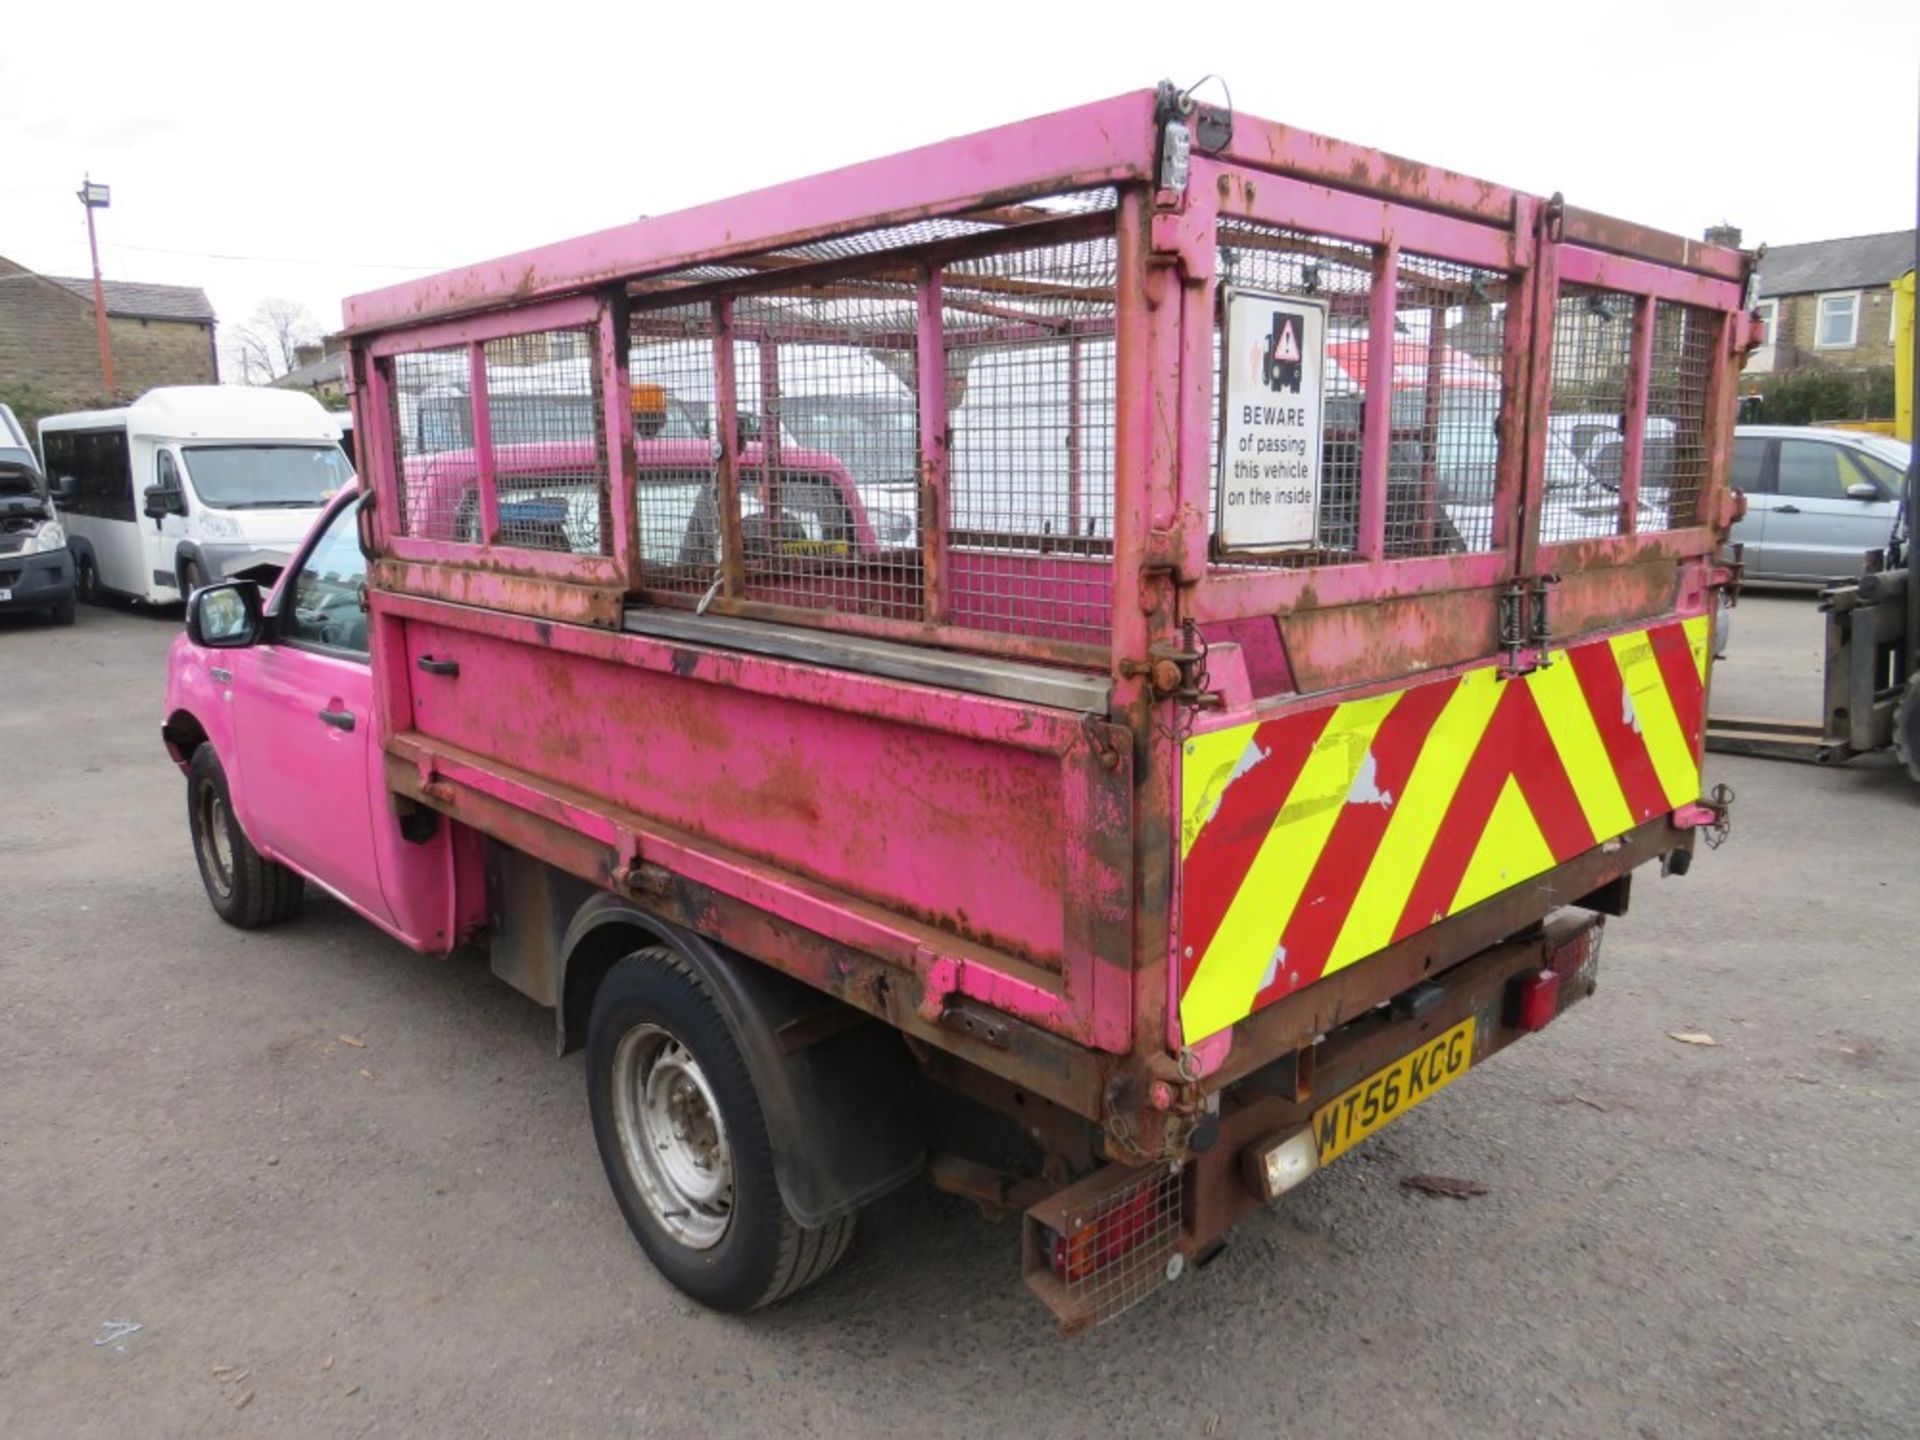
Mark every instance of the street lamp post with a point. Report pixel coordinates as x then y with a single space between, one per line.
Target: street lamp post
95 196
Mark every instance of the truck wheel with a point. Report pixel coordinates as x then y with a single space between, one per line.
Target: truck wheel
245 889
1906 728
684 1142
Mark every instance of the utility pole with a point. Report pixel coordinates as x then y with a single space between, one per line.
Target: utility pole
97 197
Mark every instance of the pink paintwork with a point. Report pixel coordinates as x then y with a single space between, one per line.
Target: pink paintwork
1010 852
311 795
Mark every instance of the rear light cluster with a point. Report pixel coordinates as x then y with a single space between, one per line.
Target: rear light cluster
1534 1000
1132 1221
1118 1248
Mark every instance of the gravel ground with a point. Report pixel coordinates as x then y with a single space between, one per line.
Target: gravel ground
411 1234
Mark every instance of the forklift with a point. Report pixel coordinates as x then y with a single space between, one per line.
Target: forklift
1871 697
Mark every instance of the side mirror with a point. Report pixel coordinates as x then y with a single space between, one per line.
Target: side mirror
225 617
66 487
162 501
1861 490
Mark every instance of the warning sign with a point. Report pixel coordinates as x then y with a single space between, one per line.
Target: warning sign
1273 351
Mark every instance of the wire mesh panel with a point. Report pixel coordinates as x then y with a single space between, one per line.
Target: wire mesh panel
1120 1250
1276 261
548 441
433 435
671 369
1444 458
1586 410
1674 469
829 457
1030 381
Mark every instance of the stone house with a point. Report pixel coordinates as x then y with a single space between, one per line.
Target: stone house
159 334
1828 304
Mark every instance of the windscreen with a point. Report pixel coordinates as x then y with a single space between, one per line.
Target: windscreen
266 477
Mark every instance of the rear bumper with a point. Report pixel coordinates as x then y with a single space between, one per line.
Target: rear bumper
1177 1214
36 581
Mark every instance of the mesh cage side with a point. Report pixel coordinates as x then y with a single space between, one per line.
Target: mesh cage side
1030 377
548 442
432 421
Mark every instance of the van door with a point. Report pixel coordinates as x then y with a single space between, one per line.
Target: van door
1753 477
162 537
1816 529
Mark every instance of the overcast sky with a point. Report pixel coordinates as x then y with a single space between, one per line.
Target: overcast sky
315 151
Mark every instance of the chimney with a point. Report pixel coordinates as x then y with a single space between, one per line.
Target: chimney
304 355
1723 234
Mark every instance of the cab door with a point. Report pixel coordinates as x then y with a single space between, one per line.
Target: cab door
304 724
163 534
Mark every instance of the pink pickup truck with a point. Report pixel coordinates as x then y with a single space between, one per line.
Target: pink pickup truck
1164 775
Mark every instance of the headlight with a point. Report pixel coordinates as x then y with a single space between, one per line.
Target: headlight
219 527
48 537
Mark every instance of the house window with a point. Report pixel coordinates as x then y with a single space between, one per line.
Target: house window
1838 325
1761 359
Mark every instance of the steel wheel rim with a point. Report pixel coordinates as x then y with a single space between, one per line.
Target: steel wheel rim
672 1137
216 840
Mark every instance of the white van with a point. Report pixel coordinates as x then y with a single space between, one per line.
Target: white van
190 484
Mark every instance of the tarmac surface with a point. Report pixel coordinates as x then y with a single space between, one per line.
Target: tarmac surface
345 1190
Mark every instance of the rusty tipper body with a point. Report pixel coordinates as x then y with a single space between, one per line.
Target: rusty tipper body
1115 600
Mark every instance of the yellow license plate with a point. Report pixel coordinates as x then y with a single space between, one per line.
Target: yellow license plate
1350 1117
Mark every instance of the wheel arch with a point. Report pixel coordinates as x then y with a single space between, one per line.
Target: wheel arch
183 734
809 1076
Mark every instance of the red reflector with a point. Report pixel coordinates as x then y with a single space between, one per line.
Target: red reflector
1117 1233
1536 1000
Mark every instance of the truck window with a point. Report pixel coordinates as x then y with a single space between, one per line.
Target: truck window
166 473
329 594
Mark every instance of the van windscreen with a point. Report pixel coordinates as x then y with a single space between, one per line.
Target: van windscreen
266 477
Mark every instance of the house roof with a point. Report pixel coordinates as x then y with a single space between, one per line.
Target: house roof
1849 264
137 300
327 370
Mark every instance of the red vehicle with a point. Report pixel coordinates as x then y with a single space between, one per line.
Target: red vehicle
1183 792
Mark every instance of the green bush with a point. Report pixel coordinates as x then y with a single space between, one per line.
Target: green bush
1807 397
30 404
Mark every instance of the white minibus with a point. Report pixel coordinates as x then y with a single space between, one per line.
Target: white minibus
188 485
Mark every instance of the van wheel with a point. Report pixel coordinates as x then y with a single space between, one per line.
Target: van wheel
86 580
684 1142
65 612
245 889
192 577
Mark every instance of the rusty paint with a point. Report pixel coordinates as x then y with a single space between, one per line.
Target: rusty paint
839 826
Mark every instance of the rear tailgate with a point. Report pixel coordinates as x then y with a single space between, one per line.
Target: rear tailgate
1474 685
1317 837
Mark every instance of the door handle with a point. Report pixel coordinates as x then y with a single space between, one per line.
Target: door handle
339 719
438 667
1786 509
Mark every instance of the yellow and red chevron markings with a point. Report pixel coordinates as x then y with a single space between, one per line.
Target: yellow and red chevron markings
1312 840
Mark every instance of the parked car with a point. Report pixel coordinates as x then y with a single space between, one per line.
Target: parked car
1817 500
36 568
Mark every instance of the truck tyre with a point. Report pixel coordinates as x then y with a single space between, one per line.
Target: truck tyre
1906 728
684 1141
245 889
